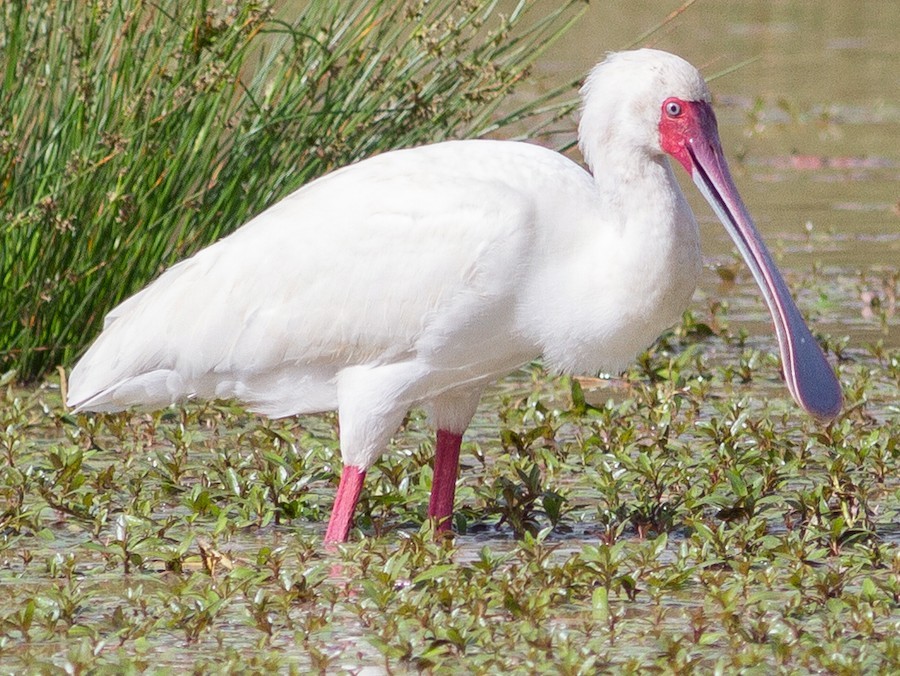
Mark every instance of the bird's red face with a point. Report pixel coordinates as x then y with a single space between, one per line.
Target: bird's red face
682 123
688 132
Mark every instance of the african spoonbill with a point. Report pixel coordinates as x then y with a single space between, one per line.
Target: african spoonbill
419 276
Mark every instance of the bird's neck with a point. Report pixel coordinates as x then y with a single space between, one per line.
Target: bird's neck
634 183
618 173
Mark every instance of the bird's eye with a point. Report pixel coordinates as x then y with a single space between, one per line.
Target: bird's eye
673 108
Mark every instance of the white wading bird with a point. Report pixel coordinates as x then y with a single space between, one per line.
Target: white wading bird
419 276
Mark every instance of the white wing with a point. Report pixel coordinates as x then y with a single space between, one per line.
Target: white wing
368 265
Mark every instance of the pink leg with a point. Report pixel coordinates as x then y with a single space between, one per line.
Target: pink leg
443 486
345 504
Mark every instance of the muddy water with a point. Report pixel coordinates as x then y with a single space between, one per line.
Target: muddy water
811 128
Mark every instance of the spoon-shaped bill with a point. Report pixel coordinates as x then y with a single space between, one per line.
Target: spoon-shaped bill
809 376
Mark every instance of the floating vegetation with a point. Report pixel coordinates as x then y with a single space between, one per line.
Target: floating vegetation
675 518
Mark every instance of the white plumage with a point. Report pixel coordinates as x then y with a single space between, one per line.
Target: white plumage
435 265
418 276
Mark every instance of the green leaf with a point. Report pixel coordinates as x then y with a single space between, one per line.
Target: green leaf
433 572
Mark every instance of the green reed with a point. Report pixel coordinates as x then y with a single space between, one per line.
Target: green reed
133 133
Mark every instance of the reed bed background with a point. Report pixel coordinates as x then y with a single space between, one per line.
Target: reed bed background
133 133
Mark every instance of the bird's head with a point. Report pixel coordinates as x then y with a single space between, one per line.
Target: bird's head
651 103
625 100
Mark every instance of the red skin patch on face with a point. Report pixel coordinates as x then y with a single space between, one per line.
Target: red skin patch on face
694 121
